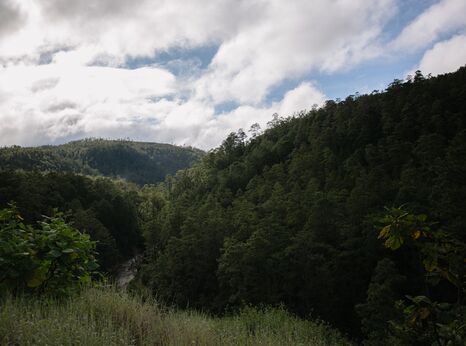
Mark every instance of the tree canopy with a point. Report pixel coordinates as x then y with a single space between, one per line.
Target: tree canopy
138 162
288 216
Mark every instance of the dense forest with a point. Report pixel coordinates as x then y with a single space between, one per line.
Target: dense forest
138 162
70 179
352 213
106 210
292 216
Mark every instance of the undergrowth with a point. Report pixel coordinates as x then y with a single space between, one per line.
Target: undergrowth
107 316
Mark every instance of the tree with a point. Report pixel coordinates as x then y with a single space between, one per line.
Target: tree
294 205
382 294
254 130
443 257
52 258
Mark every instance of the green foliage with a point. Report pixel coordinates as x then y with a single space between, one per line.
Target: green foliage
444 259
382 295
138 162
104 209
443 256
43 178
426 322
287 216
52 258
401 225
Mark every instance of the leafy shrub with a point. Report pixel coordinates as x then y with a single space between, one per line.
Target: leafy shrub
52 258
443 257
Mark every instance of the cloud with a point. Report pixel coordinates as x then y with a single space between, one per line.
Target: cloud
289 40
68 74
445 56
441 18
47 102
439 33
11 17
117 29
52 103
67 68
303 97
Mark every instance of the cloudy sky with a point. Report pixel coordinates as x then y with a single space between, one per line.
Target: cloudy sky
189 72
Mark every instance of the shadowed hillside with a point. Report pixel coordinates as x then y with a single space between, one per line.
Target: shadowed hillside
138 162
291 216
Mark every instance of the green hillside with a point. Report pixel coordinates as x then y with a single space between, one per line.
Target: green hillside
138 162
352 213
292 216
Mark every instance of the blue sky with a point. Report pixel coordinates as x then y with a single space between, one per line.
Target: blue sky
189 73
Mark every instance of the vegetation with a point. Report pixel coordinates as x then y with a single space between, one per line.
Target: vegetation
105 210
53 258
444 260
138 162
105 316
291 216
303 217
40 180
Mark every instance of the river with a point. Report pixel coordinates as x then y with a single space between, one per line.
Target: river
127 272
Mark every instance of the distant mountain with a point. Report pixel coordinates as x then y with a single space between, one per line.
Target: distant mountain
138 162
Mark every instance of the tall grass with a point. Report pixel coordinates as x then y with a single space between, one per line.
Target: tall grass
107 316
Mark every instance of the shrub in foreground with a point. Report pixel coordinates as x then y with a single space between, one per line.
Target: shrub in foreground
52 257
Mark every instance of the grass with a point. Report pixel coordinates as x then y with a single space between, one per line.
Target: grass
107 316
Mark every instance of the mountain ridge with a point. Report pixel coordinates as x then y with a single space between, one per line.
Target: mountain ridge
138 162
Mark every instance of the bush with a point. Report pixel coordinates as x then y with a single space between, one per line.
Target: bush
52 258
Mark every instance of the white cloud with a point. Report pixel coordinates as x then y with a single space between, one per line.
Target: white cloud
289 39
304 97
63 74
120 28
49 103
63 70
445 56
443 17
43 103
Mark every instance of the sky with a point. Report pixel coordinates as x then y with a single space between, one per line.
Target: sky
189 72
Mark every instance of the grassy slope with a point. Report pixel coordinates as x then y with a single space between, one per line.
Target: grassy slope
105 316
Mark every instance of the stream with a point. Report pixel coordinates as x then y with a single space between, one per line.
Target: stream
127 272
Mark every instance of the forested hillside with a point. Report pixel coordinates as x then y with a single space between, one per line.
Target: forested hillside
353 213
138 162
41 179
292 216
106 210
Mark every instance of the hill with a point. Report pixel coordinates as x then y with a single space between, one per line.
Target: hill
101 207
138 162
291 216
41 179
352 213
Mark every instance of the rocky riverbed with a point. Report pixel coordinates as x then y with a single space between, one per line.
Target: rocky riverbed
127 272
